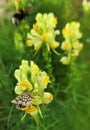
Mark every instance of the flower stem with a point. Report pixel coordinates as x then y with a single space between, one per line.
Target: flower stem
47 57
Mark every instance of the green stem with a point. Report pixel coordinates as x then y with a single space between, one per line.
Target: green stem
47 57
24 116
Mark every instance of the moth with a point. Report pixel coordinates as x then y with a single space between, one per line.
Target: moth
23 100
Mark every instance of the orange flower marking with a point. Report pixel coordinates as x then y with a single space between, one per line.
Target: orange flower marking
50 97
17 0
37 48
54 45
32 109
35 27
25 108
46 80
45 36
25 83
54 20
75 54
66 31
80 47
28 42
67 46
29 109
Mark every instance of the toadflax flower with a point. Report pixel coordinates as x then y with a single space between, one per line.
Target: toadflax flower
71 44
43 32
86 5
30 88
21 4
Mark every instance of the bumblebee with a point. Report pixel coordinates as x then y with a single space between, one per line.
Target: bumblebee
19 16
23 100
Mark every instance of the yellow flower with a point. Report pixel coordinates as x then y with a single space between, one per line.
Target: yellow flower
31 79
46 79
31 110
77 46
30 87
43 82
47 97
54 45
29 43
71 44
66 46
37 47
65 60
34 68
80 46
23 86
71 31
75 54
37 100
86 5
43 32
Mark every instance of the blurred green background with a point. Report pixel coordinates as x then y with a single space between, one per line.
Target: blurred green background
70 109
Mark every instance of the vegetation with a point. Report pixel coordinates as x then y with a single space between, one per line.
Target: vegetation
69 84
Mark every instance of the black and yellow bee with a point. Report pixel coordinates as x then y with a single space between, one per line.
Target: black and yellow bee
19 16
23 100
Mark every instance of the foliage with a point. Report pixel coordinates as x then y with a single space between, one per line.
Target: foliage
70 108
